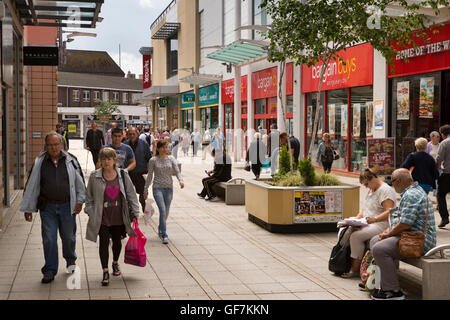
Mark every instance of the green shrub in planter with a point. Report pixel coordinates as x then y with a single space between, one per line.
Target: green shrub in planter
326 179
284 163
308 172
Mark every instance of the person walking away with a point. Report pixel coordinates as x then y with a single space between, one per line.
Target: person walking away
125 154
56 188
108 200
325 154
108 138
379 200
65 134
443 162
411 215
94 142
196 139
256 154
185 142
160 170
423 166
142 155
295 146
221 172
206 141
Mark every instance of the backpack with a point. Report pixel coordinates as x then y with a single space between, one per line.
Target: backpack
327 156
339 261
148 138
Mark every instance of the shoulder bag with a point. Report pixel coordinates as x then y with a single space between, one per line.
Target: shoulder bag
411 243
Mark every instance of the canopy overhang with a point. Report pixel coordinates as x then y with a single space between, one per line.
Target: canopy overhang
51 13
168 30
201 79
154 92
240 52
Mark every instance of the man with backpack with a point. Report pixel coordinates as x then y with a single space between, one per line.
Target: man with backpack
147 137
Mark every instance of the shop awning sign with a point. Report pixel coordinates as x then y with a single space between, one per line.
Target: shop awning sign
40 56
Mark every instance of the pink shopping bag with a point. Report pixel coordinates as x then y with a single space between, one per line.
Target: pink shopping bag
135 248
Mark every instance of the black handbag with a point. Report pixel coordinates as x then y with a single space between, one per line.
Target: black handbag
247 167
340 261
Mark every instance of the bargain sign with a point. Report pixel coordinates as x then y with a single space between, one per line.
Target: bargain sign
353 69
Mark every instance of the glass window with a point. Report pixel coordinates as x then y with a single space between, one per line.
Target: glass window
260 106
105 95
116 96
360 96
172 57
260 17
228 116
311 100
272 106
97 95
76 95
244 107
290 104
125 97
86 96
337 108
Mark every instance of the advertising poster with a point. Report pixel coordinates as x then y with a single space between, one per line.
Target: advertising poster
317 206
403 100
381 155
379 114
309 127
344 119
369 120
332 120
357 121
426 98
72 128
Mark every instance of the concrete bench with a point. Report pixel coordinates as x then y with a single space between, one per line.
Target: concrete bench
435 273
233 191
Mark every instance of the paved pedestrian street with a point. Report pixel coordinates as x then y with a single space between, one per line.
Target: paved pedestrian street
214 253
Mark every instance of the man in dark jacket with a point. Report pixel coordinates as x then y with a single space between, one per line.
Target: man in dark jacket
142 154
221 172
94 142
295 145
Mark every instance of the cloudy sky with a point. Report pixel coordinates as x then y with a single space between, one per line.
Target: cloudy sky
126 23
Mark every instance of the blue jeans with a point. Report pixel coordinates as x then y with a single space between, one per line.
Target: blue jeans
54 217
163 198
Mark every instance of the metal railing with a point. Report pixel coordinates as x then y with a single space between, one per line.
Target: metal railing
163 14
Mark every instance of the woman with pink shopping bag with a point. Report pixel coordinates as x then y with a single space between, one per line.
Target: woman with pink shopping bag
112 206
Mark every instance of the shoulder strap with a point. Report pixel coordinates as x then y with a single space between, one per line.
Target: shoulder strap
123 180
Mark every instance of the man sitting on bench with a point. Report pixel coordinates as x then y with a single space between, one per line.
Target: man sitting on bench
221 172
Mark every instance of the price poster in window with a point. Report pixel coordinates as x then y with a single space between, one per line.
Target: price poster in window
357 121
426 98
309 119
344 121
379 114
369 120
331 120
403 100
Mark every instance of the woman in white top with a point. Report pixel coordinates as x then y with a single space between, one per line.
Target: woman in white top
433 145
379 200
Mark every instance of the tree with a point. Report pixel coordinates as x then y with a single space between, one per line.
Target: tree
106 108
310 31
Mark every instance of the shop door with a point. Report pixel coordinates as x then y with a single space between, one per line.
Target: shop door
445 115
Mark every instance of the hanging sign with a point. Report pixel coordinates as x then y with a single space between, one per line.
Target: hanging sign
147 77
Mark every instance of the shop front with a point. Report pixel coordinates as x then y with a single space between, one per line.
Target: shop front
346 106
187 110
208 103
419 90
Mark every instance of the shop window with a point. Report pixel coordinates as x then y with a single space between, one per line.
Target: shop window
116 96
172 57
105 95
260 106
311 100
360 97
272 105
125 97
228 116
244 107
290 104
337 108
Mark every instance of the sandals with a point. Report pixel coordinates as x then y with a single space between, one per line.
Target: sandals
116 270
105 281
350 274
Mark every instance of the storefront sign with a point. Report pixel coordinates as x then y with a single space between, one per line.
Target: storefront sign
317 206
228 90
426 98
187 99
163 102
379 114
381 155
40 56
114 117
289 78
264 83
147 80
355 68
209 95
431 54
403 100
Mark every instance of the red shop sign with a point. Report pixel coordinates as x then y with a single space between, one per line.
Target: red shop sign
357 71
432 55
228 90
147 77
264 83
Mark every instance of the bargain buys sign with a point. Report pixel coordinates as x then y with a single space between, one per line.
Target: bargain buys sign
228 90
431 54
147 77
264 83
354 69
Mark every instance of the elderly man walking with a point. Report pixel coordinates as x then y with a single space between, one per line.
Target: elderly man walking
56 188
94 142
443 162
142 155
411 215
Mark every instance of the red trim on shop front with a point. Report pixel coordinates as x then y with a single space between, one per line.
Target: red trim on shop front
418 72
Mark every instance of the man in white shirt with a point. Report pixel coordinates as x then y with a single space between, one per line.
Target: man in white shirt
443 162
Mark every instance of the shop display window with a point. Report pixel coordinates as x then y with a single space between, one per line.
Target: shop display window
260 106
289 103
337 107
311 100
272 105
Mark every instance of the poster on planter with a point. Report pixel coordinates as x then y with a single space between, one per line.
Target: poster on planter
356 121
317 206
426 98
331 120
369 120
344 121
381 155
403 100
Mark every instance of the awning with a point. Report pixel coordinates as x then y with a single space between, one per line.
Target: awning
75 14
166 31
239 52
201 79
155 92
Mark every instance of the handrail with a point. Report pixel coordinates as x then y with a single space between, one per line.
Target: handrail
163 14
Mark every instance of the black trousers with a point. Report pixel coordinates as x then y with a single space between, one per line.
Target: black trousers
95 156
327 166
139 184
256 169
443 189
116 233
208 183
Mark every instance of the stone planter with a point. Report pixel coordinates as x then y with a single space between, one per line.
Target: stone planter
299 209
